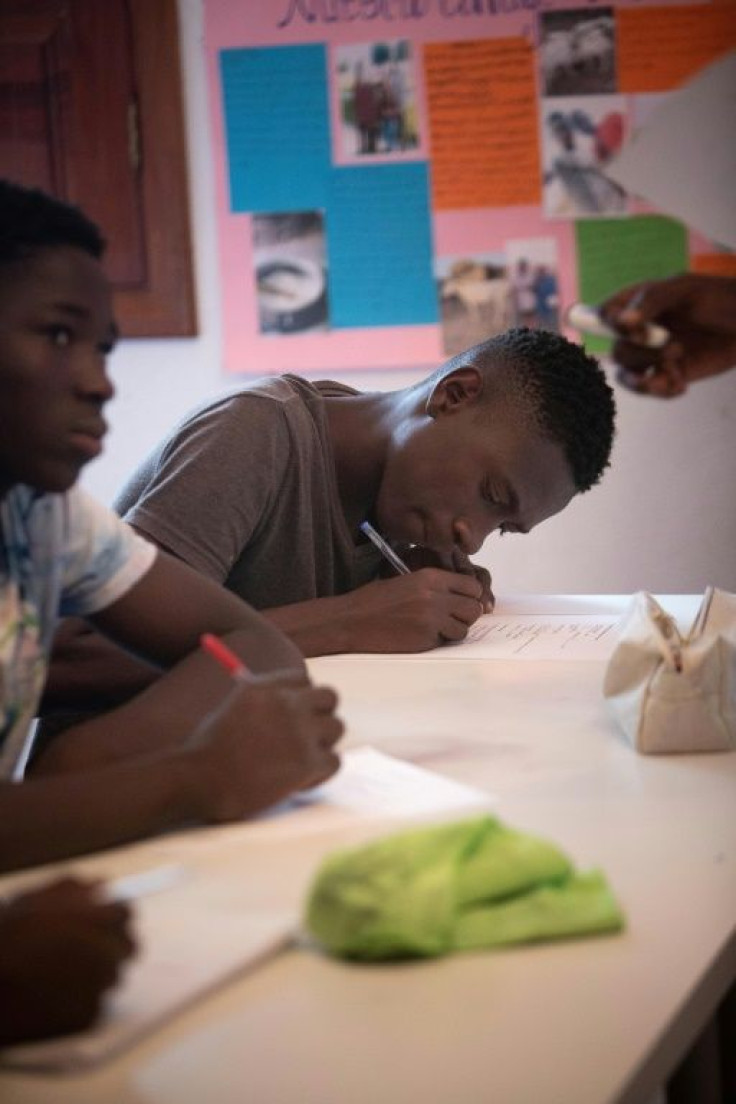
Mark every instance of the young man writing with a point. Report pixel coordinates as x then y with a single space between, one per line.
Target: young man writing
501 437
264 491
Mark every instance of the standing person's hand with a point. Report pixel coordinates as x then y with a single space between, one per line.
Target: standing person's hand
61 950
270 736
700 314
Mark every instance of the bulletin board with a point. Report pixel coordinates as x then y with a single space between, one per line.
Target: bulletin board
398 179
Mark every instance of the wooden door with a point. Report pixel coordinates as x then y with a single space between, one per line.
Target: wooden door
90 110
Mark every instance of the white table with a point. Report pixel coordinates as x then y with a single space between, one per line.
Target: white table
583 1022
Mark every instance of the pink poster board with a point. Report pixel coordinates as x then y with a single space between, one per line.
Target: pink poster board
490 94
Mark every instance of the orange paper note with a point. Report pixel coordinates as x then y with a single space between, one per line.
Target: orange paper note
661 48
714 264
483 123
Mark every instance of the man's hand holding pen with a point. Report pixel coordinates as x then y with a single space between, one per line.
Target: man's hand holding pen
407 610
413 612
416 556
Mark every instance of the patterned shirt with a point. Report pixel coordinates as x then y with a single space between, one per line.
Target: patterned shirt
60 555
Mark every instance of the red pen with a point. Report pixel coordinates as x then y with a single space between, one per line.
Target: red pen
227 659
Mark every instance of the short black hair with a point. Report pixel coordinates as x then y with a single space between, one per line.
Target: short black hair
562 389
31 219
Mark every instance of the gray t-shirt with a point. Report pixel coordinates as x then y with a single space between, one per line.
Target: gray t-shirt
244 490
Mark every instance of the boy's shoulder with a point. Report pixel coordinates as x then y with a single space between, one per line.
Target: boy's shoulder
292 396
281 391
260 404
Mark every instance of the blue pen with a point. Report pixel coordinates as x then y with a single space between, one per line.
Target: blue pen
385 549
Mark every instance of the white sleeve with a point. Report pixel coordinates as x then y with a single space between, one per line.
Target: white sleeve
103 557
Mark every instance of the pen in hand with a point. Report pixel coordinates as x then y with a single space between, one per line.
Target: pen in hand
225 657
384 548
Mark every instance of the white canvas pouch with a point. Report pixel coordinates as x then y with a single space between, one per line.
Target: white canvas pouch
671 692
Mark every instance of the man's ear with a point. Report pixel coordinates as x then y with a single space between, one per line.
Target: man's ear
456 390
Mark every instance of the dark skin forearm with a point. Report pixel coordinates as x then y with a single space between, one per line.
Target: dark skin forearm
162 617
400 614
160 621
89 671
52 818
406 614
158 719
714 302
321 626
265 738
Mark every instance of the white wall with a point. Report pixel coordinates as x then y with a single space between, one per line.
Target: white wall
664 518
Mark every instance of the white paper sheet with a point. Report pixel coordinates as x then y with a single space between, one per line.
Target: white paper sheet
189 942
511 637
525 637
683 159
552 636
371 783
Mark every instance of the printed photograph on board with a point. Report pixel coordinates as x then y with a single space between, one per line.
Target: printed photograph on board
474 299
377 96
577 52
533 280
290 272
580 135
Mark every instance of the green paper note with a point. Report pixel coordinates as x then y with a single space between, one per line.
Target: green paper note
615 252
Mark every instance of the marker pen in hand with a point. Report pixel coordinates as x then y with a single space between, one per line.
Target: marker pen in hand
588 321
225 657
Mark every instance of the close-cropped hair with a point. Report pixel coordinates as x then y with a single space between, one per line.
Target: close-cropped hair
31 219
558 386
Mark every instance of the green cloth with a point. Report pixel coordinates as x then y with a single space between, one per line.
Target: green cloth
450 887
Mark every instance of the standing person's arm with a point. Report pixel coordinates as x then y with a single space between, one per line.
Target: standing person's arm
699 312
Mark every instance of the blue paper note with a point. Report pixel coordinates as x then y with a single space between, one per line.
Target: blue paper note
277 127
379 247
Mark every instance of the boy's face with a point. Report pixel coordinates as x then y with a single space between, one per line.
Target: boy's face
463 474
56 328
